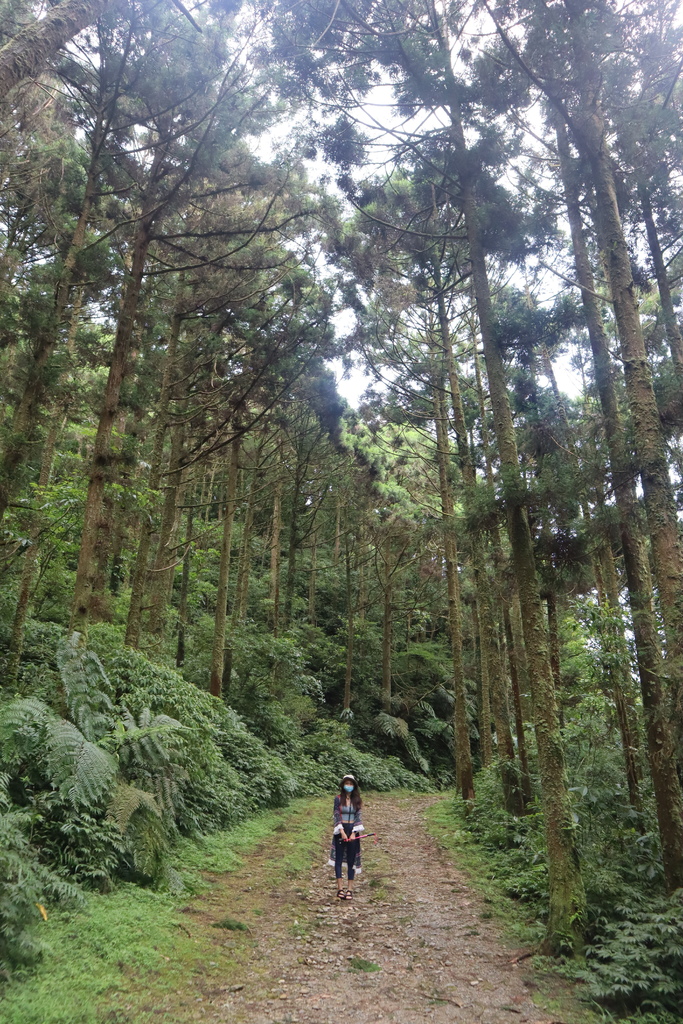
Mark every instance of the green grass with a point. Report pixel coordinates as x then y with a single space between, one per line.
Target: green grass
231 925
357 963
128 953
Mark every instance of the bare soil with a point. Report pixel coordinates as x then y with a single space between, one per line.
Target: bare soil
415 944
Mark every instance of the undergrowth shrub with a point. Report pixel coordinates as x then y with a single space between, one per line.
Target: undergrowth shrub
329 753
236 769
634 957
516 845
638 960
99 784
25 885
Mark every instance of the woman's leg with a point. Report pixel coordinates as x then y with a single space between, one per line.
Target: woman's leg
351 850
338 860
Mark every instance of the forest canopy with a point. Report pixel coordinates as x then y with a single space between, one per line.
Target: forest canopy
222 584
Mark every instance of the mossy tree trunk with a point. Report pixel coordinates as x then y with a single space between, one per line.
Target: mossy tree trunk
463 754
28 53
660 741
566 895
221 613
149 523
100 466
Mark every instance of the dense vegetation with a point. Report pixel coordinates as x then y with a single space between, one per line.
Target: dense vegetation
222 585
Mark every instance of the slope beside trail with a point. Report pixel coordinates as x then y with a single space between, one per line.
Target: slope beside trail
430 950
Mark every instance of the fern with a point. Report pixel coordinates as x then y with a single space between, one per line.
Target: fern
426 707
25 884
395 728
145 741
86 687
22 728
126 801
148 842
413 749
83 772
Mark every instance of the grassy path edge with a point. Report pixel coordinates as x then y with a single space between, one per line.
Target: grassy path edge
107 962
555 994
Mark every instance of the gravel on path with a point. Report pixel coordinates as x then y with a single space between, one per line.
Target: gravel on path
423 945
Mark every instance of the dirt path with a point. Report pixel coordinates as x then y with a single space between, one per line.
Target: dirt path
430 951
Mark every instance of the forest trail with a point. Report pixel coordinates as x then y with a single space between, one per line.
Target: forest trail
431 951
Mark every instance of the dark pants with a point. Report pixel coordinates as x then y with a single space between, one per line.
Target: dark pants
345 850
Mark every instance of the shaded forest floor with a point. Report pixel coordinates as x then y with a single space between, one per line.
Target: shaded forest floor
267 942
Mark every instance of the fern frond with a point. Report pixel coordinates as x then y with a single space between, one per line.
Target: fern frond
425 706
83 771
22 725
396 728
125 801
87 688
149 741
148 843
414 750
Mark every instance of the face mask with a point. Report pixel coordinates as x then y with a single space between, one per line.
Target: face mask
349 789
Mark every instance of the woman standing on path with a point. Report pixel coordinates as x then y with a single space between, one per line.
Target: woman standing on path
347 825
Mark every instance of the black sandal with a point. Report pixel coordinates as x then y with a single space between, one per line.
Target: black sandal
341 894
349 895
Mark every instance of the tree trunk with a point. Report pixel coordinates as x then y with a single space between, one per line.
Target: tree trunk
337 534
275 556
239 604
567 896
514 795
349 628
661 751
312 579
513 662
387 627
589 131
516 782
218 651
101 459
20 440
184 588
134 623
164 567
483 692
554 637
464 771
489 658
27 54
292 553
673 331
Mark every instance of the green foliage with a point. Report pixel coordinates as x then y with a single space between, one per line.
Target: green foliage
398 728
330 753
30 732
515 846
86 688
25 884
638 960
99 802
